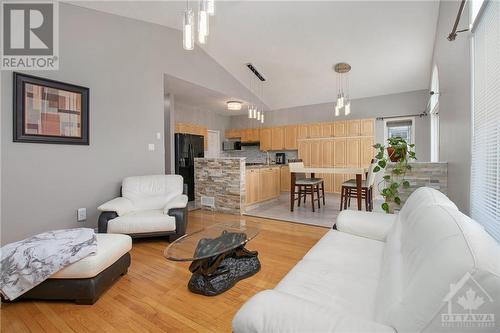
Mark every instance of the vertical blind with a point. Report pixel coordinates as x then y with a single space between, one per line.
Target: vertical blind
485 182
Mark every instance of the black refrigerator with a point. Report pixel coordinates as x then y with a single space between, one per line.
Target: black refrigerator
187 148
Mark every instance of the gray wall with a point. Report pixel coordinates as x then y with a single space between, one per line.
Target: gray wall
413 102
453 62
122 61
213 121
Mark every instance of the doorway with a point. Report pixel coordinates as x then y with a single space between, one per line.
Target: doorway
214 144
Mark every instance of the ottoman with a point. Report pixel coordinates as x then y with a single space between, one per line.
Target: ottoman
86 280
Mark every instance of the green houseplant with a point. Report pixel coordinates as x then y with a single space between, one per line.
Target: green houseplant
400 153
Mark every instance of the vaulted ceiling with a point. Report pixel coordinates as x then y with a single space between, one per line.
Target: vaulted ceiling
294 44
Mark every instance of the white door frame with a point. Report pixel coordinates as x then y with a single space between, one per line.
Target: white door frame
217 132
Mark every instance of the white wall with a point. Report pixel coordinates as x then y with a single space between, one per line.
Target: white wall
454 63
123 62
413 102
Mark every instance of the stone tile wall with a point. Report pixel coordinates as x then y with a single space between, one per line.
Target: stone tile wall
434 175
224 180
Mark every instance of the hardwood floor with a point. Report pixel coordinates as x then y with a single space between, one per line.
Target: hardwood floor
153 296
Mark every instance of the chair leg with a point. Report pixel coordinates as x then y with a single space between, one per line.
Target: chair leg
367 199
319 197
299 196
323 192
371 199
346 197
341 198
312 197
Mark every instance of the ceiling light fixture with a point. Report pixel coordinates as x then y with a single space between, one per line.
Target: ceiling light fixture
203 22
256 111
234 106
211 7
188 28
343 99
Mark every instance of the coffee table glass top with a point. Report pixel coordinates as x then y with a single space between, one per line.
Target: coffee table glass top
211 241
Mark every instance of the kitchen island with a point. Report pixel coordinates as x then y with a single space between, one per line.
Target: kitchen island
228 185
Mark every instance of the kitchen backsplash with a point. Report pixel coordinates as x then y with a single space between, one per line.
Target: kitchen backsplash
254 155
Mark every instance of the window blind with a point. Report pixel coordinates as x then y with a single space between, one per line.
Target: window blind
485 171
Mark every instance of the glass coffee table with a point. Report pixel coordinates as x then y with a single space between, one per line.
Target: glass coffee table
218 255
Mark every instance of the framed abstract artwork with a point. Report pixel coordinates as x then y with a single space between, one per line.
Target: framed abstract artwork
47 111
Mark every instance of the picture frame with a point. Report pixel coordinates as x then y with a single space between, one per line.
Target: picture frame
48 111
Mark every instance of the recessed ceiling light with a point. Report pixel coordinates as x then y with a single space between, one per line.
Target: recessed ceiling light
233 106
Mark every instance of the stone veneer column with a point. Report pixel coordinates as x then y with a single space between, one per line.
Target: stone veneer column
429 174
222 179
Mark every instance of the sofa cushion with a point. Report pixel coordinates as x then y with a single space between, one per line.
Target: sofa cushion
151 192
144 221
345 274
439 246
110 248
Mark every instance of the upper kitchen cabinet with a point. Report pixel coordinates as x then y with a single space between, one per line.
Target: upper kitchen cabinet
326 130
353 128
277 138
368 127
232 134
314 130
339 128
266 139
291 137
302 131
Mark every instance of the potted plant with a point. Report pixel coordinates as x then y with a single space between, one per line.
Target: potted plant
400 153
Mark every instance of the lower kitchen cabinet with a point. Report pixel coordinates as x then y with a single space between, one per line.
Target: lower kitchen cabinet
285 178
262 184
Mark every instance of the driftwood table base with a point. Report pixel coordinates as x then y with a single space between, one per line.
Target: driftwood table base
215 275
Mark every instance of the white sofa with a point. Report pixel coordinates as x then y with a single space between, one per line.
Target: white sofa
149 206
382 273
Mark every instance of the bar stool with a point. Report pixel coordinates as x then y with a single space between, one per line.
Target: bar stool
349 190
306 186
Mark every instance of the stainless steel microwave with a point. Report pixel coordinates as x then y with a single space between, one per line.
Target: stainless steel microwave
231 145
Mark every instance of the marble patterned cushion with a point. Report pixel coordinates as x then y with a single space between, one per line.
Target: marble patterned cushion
29 262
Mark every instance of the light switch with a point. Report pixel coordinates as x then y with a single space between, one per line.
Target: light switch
158 136
81 214
151 147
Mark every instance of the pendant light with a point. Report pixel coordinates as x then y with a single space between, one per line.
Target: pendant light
188 29
343 100
203 22
211 7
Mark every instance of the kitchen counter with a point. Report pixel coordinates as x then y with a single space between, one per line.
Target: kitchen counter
262 166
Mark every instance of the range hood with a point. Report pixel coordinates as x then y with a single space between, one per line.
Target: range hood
254 143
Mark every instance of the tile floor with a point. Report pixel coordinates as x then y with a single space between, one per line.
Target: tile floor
280 210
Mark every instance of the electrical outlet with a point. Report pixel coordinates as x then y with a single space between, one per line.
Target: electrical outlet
151 147
81 214
158 136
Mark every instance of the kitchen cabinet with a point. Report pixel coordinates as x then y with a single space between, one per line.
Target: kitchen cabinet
269 180
304 152
368 127
252 186
291 137
277 138
314 130
254 135
326 130
302 131
353 152
285 178
339 129
338 179
315 148
233 134
367 151
265 139
327 153
353 128
339 147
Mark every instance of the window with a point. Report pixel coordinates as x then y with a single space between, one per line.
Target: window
402 127
485 164
434 111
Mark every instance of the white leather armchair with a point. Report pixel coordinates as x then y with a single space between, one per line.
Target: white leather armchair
149 206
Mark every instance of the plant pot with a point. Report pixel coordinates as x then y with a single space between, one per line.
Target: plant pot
392 157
